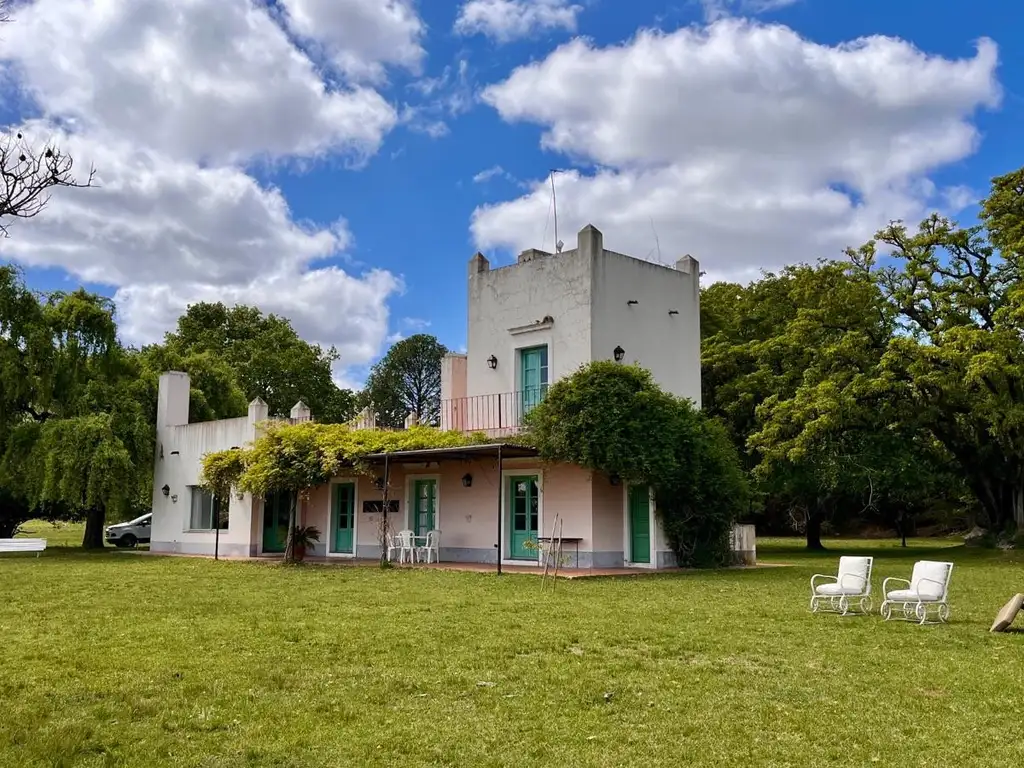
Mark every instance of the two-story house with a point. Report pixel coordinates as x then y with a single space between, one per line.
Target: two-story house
530 323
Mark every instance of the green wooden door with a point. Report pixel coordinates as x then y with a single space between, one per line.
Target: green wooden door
276 508
533 377
343 518
424 511
639 525
524 507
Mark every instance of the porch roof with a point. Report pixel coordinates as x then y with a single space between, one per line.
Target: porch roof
458 453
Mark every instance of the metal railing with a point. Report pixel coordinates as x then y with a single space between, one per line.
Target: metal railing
495 415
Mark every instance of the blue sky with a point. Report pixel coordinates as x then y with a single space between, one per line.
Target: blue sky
339 162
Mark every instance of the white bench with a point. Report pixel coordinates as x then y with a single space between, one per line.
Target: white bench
23 545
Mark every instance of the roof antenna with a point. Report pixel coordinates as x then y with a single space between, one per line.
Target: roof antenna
657 243
554 205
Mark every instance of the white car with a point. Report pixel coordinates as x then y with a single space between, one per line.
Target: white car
131 533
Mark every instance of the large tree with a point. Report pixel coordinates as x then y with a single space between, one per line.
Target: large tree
268 358
950 379
407 380
74 433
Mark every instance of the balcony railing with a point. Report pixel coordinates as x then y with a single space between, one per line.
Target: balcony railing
495 415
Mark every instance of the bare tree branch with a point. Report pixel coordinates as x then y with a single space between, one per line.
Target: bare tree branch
27 174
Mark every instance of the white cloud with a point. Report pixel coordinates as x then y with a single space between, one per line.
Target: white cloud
166 233
200 79
507 20
169 100
720 9
361 36
741 143
488 174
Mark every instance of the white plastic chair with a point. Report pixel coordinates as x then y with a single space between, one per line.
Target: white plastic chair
393 545
848 589
927 590
406 546
433 544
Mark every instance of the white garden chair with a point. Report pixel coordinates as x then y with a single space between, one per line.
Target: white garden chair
848 590
406 546
927 591
433 544
394 545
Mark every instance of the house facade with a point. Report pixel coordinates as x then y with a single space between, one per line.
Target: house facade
530 323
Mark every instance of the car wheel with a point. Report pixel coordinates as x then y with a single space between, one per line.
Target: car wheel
128 541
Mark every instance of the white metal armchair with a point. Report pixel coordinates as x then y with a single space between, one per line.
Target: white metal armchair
927 592
847 591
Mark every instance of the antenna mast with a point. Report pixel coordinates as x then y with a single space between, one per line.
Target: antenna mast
554 206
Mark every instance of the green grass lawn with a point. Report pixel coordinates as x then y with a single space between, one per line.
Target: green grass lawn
128 659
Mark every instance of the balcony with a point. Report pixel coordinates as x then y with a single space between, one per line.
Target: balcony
494 415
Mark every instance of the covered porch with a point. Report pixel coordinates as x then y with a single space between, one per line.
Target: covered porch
490 503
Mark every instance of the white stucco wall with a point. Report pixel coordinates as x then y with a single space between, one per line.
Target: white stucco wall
178 464
522 295
666 345
585 291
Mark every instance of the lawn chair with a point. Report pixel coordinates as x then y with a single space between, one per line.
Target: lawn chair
406 546
433 544
394 545
848 590
927 590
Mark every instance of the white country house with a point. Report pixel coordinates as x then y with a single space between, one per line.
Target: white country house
530 323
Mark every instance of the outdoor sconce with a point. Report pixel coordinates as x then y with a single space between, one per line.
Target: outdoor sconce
631 302
673 311
174 498
379 483
619 353
492 362
166 490
614 479
239 495
467 480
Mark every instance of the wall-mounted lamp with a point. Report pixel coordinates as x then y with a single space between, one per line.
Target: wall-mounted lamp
467 480
166 490
614 479
174 498
673 311
631 302
175 453
239 495
378 483
492 362
619 353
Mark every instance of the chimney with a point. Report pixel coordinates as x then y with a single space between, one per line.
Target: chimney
688 265
478 264
172 399
590 242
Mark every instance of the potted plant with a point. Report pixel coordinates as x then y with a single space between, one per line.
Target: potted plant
305 537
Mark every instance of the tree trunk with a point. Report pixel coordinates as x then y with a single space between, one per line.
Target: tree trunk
1001 501
94 520
289 547
814 532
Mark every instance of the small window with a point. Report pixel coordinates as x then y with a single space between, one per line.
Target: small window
208 511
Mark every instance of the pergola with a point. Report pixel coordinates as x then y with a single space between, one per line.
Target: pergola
498 451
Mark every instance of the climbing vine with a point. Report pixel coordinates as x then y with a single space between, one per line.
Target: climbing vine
293 458
615 419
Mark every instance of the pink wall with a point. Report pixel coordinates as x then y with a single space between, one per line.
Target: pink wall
467 517
608 505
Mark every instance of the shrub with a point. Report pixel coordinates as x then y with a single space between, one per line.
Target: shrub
615 419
